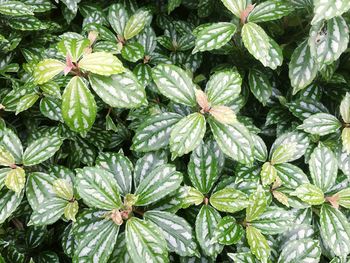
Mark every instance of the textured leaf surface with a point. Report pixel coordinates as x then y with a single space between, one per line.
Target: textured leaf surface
101 63
136 23
321 124
329 9
260 86
48 212
235 6
302 250
9 202
15 8
258 244
257 204
309 194
270 10
229 200
228 232
47 69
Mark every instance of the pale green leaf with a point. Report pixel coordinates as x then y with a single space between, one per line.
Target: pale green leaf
235 6
47 69
73 47
229 200
309 194
257 204
228 231
258 244
101 63
136 23
15 179
268 173
6 158
117 17
320 124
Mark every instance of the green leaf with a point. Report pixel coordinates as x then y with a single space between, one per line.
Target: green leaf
122 90
12 144
98 243
243 257
9 201
329 9
145 241
270 10
98 188
273 221
234 140
47 69
175 83
214 36
206 222
160 182
6 158
154 133
203 168
51 89
309 194
268 173
323 167
136 23
78 106
228 231
235 6
73 47
258 244
63 188
133 51
26 102
291 176
343 197
260 149
320 124
302 250
15 8
71 210
260 85
173 4
51 108
120 166
344 108
117 17
48 212
223 87
335 230
187 134
176 231
101 63
229 200
302 67
191 196
261 46
257 204
27 23
15 179
328 40
42 149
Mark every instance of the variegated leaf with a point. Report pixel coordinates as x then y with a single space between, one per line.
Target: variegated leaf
47 69
270 10
15 8
117 17
101 63
228 231
229 200
6 158
26 102
12 144
73 47
257 204
291 176
309 194
9 201
136 23
320 124
329 9
268 173
235 6
304 250
15 180
344 108
48 212
258 244
260 85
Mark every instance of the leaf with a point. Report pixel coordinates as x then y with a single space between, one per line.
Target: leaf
260 149
136 23
98 243
15 8
191 196
120 166
243 257
51 108
133 52
328 40
176 231
51 89
335 230
291 176
206 222
101 63
214 36
122 90
268 173
234 140
344 108
6 158
47 69
73 47
256 205
320 124
229 200
203 168
270 10
12 144
174 83
302 67
42 149
235 6
309 194
345 136
117 17
223 114
26 102
9 201
173 4
187 134
258 244
260 85
154 132
261 46
48 211
223 87
228 231
145 242
98 188
15 180
323 167
71 210
63 189
160 182
302 250
329 9
78 106
343 197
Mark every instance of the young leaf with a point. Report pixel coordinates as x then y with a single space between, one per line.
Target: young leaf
12 144
73 47
270 10
206 222
320 124
176 231
78 106
175 83
48 212
98 188
344 108
309 194
257 204
228 231
214 36
145 241
291 176
343 197
133 52
41 150
121 90
101 63
258 244
302 67
163 180
329 9
47 69
15 180
136 23
187 134
229 200
268 173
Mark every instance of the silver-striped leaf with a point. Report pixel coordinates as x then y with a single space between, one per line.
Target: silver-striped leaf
329 9
48 212
260 85
257 204
228 231
136 23
9 201
291 176
229 200
270 10
304 250
309 194
117 18
320 124
235 6
12 144
258 244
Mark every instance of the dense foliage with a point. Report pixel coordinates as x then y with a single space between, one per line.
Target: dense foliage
174 131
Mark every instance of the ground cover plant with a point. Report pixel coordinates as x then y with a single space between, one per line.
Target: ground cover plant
174 131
